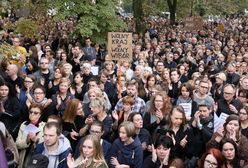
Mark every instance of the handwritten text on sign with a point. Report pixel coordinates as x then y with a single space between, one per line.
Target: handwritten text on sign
120 45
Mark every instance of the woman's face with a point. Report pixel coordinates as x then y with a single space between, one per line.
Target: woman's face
78 79
166 75
218 80
138 71
29 66
28 83
39 95
88 149
210 162
57 74
228 151
161 152
64 57
92 96
96 110
158 102
86 71
4 91
232 126
109 67
176 118
185 92
243 115
123 135
34 114
138 121
151 82
63 87
80 109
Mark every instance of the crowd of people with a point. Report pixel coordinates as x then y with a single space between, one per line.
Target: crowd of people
181 102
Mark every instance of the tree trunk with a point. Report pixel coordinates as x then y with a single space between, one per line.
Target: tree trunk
138 15
172 4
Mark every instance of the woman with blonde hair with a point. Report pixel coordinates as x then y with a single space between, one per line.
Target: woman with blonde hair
73 122
91 155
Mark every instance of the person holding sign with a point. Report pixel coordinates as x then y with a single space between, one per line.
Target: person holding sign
186 101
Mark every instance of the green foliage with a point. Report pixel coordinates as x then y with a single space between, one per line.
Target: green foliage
27 27
93 20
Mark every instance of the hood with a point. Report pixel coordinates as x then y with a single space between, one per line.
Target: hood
131 146
64 144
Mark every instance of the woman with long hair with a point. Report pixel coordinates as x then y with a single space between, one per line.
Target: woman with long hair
73 121
180 132
9 107
26 141
91 155
158 109
229 149
149 86
212 158
231 129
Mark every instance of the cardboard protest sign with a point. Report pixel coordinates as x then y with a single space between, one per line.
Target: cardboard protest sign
120 46
193 23
221 28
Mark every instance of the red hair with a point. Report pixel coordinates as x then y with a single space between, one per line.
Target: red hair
216 154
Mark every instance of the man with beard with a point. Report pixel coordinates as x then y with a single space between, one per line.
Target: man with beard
132 90
55 146
203 128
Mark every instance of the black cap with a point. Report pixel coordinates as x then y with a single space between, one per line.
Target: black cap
38 161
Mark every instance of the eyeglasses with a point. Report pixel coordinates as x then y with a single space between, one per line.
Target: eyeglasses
28 81
34 112
38 93
212 164
95 132
204 87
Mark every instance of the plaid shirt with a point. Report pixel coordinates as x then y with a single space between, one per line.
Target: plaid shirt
139 105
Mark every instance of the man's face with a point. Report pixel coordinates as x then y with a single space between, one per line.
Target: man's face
174 76
50 136
132 90
203 88
10 70
228 93
204 111
44 64
16 42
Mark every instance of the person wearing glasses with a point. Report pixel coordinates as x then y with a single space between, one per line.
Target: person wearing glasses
212 158
202 97
228 104
44 75
27 137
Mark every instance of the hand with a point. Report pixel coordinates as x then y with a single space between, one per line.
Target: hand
233 109
17 89
50 85
42 81
114 161
144 146
1 107
232 135
172 137
59 101
74 135
149 148
184 141
166 158
70 161
196 117
115 115
154 154
32 137
89 120
220 131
